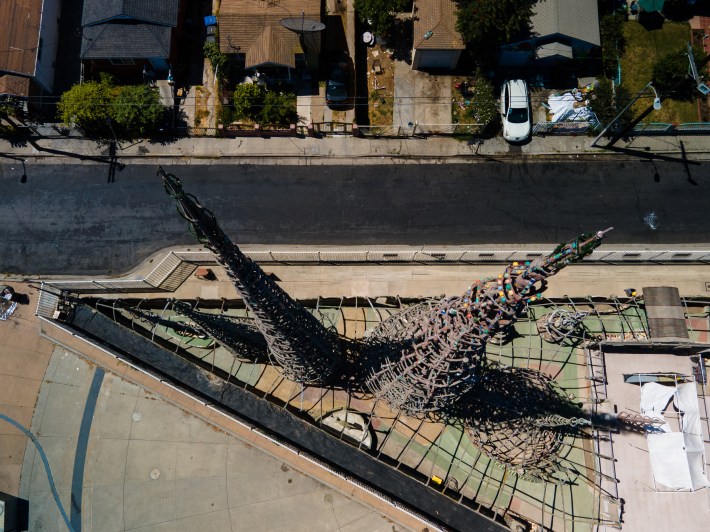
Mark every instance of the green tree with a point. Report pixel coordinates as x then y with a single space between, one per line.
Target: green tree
103 109
380 13
670 75
137 110
87 104
248 99
492 22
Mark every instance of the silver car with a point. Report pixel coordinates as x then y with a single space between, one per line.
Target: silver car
515 110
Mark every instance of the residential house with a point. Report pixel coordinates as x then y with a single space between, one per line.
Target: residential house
562 30
28 47
128 38
253 30
437 44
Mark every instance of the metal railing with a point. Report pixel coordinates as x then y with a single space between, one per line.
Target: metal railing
177 266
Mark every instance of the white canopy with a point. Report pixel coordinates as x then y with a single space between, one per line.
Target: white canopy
677 458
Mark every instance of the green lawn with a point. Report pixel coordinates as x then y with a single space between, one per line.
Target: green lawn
643 48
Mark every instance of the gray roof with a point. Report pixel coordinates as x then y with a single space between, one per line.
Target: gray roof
161 12
129 41
578 19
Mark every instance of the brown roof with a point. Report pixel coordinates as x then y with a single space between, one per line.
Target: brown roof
19 37
439 18
252 27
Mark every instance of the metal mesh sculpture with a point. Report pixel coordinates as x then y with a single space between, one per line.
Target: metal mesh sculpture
443 347
297 341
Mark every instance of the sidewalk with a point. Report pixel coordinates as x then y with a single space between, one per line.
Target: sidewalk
347 150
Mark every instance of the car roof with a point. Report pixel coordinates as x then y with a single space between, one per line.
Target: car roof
517 87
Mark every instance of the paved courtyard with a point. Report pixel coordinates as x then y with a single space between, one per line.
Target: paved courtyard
123 458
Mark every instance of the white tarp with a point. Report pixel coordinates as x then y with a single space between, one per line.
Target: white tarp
677 458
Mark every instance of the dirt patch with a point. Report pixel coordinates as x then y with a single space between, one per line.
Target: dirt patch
380 86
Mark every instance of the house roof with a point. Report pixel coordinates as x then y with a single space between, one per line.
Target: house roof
439 18
19 38
254 29
578 19
14 85
125 40
161 12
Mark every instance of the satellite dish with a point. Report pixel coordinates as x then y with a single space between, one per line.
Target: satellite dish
302 25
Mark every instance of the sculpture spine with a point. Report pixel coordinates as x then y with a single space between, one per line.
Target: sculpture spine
306 351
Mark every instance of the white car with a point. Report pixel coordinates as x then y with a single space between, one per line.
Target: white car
515 110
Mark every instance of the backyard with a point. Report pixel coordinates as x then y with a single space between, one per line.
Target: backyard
643 49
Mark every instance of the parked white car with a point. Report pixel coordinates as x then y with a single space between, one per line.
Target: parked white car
515 110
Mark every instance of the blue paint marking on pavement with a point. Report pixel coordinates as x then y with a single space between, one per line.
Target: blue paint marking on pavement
43 456
77 480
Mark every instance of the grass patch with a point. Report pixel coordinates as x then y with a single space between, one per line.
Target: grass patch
643 49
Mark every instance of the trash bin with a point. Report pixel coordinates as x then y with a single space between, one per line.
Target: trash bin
210 20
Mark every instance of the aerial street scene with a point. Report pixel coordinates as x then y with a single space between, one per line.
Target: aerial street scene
354 265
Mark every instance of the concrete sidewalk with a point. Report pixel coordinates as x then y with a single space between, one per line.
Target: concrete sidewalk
352 150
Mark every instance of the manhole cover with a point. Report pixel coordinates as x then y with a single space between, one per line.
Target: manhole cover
137 416
155 474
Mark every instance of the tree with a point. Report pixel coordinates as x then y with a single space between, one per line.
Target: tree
379 13
671 70
87 104
103 109
492 22
137 110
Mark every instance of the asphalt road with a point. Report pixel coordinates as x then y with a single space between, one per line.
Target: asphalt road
68 219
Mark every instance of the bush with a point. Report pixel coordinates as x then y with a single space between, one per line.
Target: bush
137 110
265 107
482 109
248 98
279 109
217 59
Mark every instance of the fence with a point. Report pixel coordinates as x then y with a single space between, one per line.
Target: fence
649 128
177 266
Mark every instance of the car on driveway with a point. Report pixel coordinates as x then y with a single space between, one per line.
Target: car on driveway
515 110
336 87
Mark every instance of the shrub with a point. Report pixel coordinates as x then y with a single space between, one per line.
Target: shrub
279 109
379 13
482 109
217 59
607 101
248 98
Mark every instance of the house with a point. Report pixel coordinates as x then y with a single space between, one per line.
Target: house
253 30
28 44
562 30
437 44
127 38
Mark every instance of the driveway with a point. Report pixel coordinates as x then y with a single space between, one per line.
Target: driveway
422 99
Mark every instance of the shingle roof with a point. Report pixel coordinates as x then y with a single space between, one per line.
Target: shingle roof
19 36
162 12
578 19
253 28
15 85
111 41
439 18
